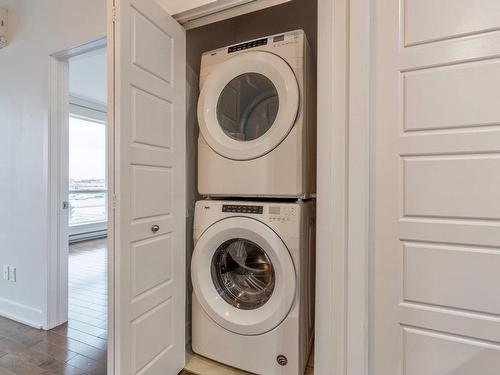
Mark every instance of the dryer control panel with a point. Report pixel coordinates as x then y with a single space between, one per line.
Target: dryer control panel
247 45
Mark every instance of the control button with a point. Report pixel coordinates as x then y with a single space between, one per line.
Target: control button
242 209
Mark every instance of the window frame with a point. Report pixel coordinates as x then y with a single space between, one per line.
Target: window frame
87 110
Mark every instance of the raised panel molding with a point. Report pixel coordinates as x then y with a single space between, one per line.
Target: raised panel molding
455 186
455 96
436 190
148 182
157 61
149 344
434 353
151 263
157 130
460 277
430 20
149 56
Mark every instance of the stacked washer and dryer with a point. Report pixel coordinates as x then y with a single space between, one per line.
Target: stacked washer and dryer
253 264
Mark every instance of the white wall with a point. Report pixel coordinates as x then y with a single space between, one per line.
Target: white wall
37 29
88 77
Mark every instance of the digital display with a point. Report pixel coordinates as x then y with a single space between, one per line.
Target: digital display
274 210
278 38
242 46
243 209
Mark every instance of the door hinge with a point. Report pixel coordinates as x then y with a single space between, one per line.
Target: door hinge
113 201
113 15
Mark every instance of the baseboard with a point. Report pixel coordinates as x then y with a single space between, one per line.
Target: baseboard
21 313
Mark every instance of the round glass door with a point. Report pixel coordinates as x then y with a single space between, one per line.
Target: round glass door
243 274
247 107
248 104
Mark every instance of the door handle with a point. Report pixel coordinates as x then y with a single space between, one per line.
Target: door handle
155 228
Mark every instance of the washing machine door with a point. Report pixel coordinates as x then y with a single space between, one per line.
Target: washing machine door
243 276
248 105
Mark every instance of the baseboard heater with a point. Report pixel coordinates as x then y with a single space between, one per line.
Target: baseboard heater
87 236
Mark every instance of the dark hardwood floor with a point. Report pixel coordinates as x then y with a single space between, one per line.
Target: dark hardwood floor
77 347
29 351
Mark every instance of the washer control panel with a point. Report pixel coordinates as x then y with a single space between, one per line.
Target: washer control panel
282 217
242 209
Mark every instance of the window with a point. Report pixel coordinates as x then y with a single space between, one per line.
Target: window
87 170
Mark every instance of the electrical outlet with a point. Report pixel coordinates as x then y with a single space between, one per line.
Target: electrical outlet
12 273
6 272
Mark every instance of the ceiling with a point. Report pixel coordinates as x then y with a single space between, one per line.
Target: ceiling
179 6
88 78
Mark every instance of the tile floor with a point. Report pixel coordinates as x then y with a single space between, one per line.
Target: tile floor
203 366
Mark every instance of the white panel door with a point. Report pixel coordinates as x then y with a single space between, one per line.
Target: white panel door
149 157
436 195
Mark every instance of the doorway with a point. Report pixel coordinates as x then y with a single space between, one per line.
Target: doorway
87 201
82 196
87 147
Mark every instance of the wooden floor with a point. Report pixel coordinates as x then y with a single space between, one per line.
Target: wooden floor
28 351
78 347
75 348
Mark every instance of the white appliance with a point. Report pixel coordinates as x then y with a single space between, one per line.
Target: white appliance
256 114
253 279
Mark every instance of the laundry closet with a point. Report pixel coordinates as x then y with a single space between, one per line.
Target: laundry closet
251 142
250 188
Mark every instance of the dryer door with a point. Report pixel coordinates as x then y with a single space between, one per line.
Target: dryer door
243 276
248 105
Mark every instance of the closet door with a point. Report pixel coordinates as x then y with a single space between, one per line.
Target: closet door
437 188
148 59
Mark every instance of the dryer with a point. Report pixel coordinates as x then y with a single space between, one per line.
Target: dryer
253 282
257 119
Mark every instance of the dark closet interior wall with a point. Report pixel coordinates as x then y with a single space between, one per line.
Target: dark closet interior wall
296 14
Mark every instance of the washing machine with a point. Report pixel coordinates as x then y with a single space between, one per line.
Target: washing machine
257 119
253 284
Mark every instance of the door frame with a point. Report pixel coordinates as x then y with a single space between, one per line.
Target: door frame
57 257
342 270
343 188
